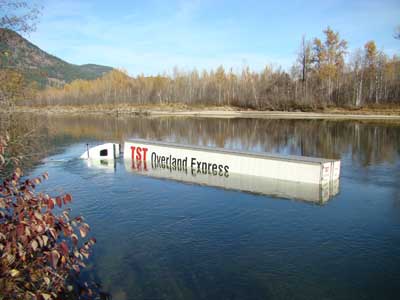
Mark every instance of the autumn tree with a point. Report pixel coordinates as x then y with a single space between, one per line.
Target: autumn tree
357 70
220 79
328 58
11 86
371 72
305 59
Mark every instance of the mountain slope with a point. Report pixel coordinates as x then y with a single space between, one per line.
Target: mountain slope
37 65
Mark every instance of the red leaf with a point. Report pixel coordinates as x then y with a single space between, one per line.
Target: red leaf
54 257
50 204
83 231
38 216
40 228
53 233
74 238
64 248
59 201
34 245
67 198
67 231
49 220
20 229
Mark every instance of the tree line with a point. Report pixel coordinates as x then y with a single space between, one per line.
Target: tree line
324 74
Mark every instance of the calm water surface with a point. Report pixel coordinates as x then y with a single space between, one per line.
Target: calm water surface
161 239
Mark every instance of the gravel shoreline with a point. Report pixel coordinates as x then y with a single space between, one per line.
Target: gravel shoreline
215 113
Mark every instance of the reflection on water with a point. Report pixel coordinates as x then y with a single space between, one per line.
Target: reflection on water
163 239
108 165
316 193
368 143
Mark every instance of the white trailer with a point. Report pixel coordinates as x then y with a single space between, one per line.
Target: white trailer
108 151
223 162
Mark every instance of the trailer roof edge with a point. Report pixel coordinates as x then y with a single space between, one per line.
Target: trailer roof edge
305 159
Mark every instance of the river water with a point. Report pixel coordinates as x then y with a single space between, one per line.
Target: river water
162 239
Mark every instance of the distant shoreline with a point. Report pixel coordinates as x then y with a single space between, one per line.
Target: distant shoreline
216 112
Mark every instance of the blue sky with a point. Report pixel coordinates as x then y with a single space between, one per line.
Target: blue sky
153 36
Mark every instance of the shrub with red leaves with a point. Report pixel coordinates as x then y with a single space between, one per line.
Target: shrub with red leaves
40 249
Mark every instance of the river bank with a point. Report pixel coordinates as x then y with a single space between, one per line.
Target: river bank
218 112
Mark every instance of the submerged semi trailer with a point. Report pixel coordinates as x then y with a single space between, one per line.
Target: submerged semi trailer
223 162
295 177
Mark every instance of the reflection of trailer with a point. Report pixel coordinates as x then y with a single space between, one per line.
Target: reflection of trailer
221 162
309 192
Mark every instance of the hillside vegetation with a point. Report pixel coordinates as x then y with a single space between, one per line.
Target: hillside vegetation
36 65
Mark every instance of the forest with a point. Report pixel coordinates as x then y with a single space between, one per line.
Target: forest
324 75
